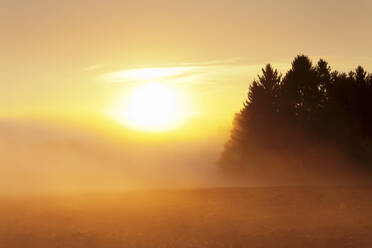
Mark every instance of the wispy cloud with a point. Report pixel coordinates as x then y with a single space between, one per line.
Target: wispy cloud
147 74
220 62
231 61
94 67
191 72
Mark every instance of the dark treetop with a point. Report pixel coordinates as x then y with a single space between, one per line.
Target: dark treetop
312 120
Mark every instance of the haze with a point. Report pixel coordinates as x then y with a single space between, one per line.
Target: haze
65 65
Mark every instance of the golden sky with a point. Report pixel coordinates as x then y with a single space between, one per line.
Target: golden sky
76 61
73 70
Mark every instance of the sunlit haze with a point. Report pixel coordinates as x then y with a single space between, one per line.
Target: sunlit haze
151 107
150 81
71 60
185 123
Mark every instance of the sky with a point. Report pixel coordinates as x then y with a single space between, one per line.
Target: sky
71 63
54 53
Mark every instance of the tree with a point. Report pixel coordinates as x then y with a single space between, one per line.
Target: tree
290 121
258 110
301 90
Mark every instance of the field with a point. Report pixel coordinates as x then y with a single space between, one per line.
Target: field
223 217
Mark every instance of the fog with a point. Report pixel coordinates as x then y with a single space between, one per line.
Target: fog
41 157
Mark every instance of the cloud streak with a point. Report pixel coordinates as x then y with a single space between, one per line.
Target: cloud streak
205 74
94 67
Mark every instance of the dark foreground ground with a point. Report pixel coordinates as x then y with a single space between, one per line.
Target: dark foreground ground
235 217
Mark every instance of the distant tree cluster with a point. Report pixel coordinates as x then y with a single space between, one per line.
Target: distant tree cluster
311 120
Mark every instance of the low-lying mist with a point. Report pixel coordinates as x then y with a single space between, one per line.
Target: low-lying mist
39 157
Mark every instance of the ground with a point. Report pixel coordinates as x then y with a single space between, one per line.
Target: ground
224 217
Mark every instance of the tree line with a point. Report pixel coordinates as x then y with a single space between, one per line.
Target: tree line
312 119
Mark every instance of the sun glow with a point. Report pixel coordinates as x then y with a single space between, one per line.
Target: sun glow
151 107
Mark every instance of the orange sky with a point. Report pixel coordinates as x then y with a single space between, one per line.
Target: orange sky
55 54
68 67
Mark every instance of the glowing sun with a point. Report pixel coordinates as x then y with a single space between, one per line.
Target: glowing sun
151 107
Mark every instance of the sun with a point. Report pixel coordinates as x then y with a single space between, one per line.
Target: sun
151 107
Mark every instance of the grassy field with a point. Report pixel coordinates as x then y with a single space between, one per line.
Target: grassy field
229 217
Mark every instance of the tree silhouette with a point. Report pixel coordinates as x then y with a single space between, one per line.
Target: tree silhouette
261 107
288 121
